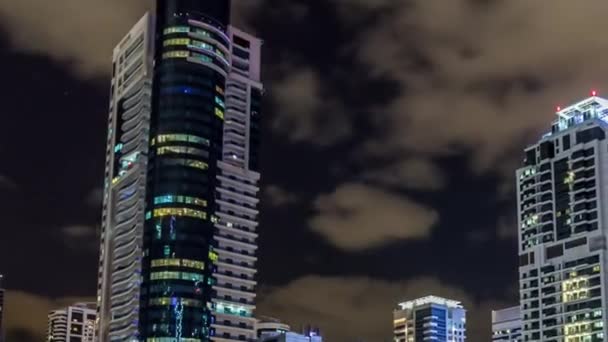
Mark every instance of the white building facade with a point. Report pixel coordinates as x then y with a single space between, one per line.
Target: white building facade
429 318
506 325
562 192
125 184
75 323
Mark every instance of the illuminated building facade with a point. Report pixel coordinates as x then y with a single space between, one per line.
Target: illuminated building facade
181 187
506 325
75 323
562 197
429 318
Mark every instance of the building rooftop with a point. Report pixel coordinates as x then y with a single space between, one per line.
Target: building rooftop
430 300
506 314
593 107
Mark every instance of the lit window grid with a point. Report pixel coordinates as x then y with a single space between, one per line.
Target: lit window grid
181 150
170 275
178 262
165 301
162 138
166 199
186 212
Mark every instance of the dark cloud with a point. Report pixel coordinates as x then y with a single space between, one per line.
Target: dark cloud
8 183
357 216
82 33
278 196
409 173
25 315
354 309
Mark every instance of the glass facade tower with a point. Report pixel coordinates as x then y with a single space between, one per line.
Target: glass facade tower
179 241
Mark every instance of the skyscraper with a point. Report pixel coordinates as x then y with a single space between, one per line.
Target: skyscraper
562 202
430 318
178 241
506 325
75 323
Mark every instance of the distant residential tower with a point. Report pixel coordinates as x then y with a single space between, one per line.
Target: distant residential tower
429 318
75 323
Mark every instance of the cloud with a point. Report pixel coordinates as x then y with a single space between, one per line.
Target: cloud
304 114
480 77
26 313
95 198
357 216
507 227
364 305
277 196
7 183
80 237
411 173
83 32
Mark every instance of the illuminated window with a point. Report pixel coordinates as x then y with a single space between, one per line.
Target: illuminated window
196 164
202 57
202 45
176 276
219 101
202 32
176 29
181 150
172 339
219 89
180 199
219 113
148 215
213 256
175 301
176 54
161 212
232 309
176 41
178 262
180 137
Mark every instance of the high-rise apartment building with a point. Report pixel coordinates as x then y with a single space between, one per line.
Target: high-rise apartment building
506 325
75 323
562 192
179 234
430 318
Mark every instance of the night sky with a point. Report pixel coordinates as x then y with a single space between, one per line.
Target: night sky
392 132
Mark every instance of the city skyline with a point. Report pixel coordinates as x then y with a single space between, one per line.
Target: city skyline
393 136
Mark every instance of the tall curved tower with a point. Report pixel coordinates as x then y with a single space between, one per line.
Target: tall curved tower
178 240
